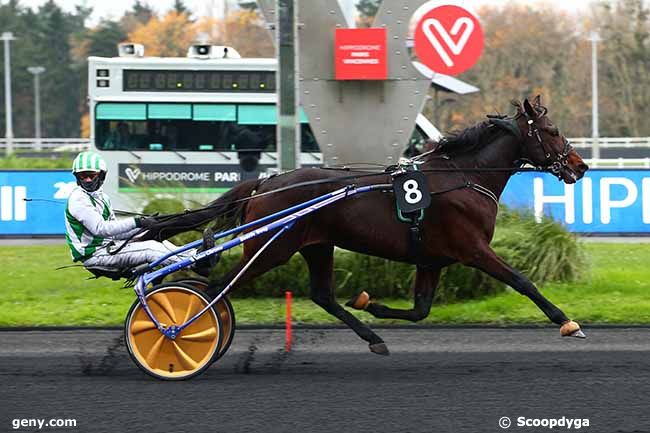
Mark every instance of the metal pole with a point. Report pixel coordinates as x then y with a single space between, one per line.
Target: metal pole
7 37
288 137
595 147
37 111
36 71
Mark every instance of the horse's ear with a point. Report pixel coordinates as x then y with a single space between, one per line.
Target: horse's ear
517 104
537 102
532 113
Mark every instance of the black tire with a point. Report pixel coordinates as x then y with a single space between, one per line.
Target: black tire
148 350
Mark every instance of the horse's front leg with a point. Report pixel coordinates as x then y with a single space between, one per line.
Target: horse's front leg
494 266
426 281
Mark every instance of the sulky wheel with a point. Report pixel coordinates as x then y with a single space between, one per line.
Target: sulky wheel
194 348
226 313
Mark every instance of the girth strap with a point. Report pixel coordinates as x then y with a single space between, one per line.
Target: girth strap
415 238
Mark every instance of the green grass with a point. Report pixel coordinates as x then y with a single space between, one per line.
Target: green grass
61 161
615 289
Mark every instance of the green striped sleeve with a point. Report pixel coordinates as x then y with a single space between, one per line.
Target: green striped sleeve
74 223
76 257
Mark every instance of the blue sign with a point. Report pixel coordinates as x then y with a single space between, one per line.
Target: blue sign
33 202
604 201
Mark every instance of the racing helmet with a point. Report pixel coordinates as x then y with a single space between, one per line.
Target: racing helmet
89 162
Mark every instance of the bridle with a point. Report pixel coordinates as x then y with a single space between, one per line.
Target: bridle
555 162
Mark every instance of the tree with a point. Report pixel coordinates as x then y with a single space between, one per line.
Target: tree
139 15
60 84
103 39
624 62
13 19
167 37
368 8
245 31
179 7
367 11
43 39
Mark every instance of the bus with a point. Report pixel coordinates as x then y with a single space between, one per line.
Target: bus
194 125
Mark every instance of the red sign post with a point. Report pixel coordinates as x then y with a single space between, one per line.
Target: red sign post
448 39
360 54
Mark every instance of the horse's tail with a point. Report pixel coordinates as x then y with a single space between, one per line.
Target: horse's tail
225 212
228 209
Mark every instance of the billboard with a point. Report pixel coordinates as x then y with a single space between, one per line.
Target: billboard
178 177
603 202
33 202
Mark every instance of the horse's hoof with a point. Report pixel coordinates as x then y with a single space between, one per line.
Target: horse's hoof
379 349
578 334
571 329
359 302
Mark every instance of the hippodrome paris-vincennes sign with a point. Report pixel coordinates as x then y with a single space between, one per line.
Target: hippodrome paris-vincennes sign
192 176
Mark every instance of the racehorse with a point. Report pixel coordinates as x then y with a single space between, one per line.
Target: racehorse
466 173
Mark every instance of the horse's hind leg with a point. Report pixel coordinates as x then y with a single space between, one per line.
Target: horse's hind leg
320 259
426 281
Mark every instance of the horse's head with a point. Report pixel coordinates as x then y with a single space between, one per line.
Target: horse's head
543 144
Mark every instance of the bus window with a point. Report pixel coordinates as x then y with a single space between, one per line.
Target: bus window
189 134
119 134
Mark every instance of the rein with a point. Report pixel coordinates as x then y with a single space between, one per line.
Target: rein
471 185
360 176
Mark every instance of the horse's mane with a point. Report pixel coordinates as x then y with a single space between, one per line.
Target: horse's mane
475 137
469 139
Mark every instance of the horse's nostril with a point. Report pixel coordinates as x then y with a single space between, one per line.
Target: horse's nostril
583 167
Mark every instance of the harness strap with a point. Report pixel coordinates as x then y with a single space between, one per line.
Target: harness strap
486 192
415 240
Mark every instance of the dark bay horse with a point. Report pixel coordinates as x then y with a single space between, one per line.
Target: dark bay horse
458 225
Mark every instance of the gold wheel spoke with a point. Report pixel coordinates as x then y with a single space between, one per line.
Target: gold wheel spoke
184 358
205 335
139 326
152 356
192 308
161 300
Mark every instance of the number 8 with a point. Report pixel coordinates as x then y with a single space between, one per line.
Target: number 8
413 194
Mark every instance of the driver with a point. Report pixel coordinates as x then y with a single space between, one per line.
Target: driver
92 229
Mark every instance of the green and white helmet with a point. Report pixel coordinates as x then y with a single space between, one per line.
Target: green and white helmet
89 161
